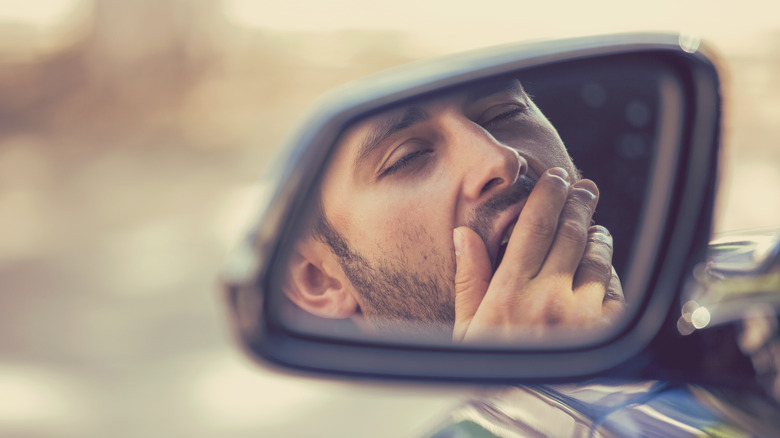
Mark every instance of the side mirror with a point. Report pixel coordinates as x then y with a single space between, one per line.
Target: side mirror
638 114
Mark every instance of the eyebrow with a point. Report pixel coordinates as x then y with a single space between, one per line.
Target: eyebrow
508 86
386 127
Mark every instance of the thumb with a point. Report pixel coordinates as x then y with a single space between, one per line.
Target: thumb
472 277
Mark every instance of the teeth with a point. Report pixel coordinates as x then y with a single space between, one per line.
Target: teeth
505 240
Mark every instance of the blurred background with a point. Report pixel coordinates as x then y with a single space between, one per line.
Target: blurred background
132 134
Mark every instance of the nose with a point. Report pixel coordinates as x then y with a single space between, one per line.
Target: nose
490 165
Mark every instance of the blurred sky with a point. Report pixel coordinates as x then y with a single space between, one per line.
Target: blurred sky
463 24
132 132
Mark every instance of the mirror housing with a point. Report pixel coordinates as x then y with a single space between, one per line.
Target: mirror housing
674 226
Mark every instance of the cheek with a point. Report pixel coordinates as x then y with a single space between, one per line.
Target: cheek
413 233
399 222
406 224
552 147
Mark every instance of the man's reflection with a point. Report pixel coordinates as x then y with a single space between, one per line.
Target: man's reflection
462 214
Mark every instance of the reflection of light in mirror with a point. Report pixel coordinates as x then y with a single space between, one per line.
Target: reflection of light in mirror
594 95
638 114
690 42
700 318
632 146
684 327
688 309
764 247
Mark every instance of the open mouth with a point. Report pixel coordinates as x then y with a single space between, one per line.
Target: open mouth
502 246
509 204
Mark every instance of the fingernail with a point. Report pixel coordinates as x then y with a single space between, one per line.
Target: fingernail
587 185
560 173
457 240
599 233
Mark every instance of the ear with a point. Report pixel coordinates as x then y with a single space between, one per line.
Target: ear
316 282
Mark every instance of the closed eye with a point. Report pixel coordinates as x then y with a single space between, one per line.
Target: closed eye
501 114
505 116
406 161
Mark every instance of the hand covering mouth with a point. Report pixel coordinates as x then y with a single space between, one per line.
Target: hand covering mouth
486 217
502 246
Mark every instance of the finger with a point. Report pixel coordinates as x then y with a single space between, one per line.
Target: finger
615 289
472 277
594 273
596 263
570 238
535 229
614 301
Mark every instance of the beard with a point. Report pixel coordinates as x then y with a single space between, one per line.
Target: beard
398 299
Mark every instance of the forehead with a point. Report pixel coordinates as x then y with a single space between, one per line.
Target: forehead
362 136
462 96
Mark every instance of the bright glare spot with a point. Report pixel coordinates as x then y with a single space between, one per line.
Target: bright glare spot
765 246
684 327
700 318
39 13
690 43
237 394
688 308
33 396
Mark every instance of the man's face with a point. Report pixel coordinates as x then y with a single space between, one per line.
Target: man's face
402 180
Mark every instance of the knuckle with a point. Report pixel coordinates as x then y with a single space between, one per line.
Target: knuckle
583 198
541 226
598 265
555 182
599 247
464 282
572 229
614 295
553 313
549 309
598 235
554 188
615 289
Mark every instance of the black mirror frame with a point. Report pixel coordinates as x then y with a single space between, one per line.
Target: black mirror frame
680 214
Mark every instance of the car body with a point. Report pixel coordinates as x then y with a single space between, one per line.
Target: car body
675 351
127 156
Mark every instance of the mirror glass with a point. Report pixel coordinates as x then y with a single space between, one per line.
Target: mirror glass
501 210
